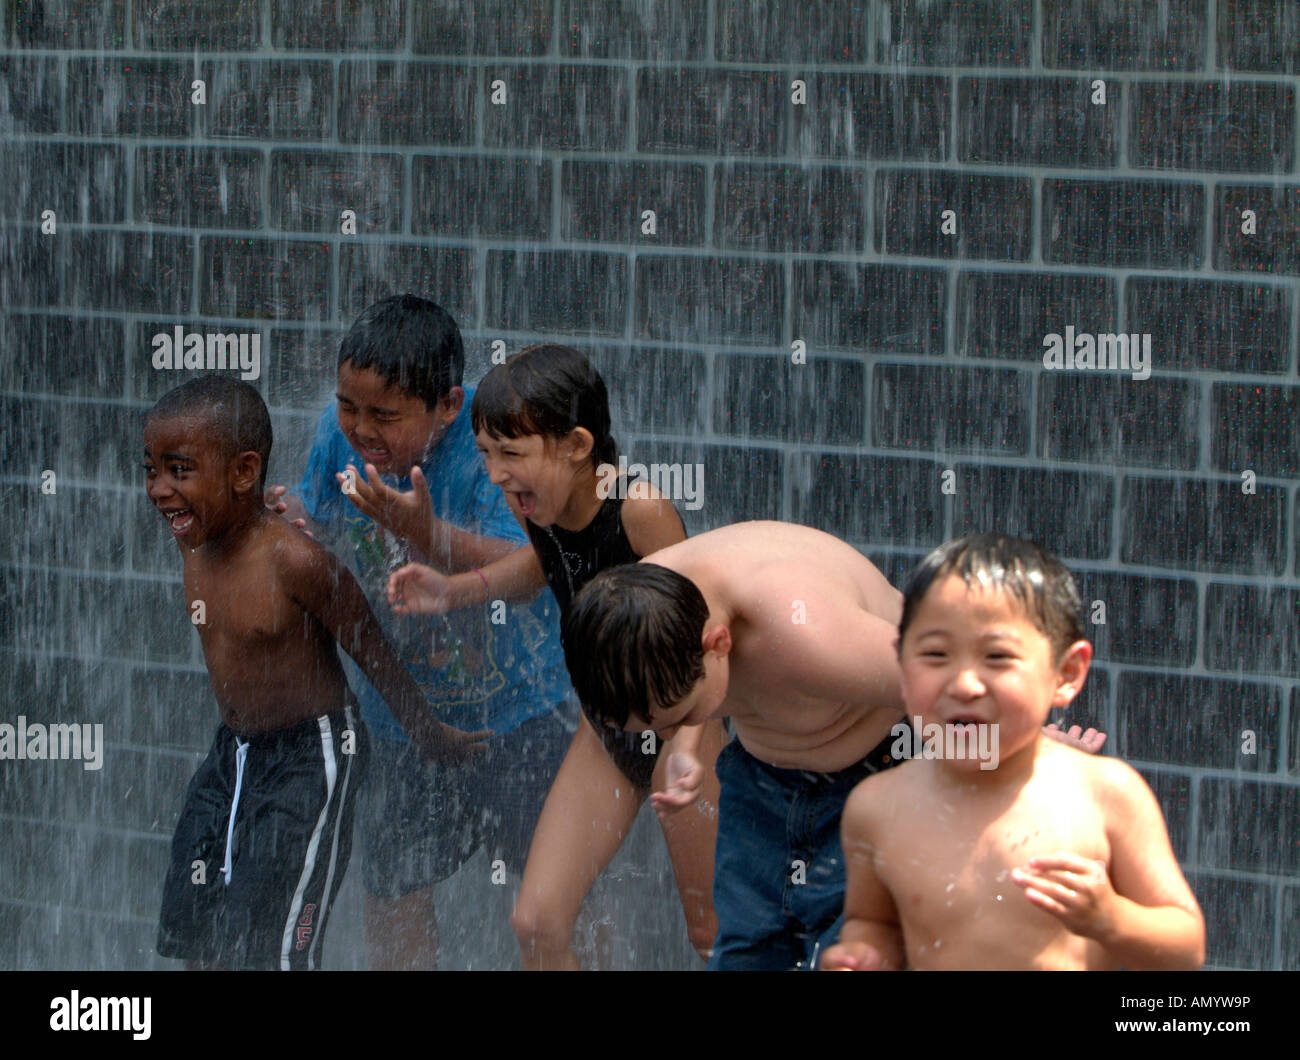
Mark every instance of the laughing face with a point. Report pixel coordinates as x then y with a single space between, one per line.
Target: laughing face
387 426
539 474
190 479
972 657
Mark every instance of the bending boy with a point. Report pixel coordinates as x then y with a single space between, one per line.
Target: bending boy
787 630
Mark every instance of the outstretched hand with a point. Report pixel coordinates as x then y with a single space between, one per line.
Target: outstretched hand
419 590
1073 889
452 747
409 515
1091 741
684 775
273 498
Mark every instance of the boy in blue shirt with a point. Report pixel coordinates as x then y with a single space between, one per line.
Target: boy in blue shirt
401 412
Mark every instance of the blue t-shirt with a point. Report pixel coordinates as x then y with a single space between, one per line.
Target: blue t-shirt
476 674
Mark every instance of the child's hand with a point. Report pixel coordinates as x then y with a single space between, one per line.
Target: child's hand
408 515
851 957
683 775
1075 890
1090 741
419 590
451 747
274 499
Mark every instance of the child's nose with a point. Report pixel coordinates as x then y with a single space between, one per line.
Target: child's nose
966 682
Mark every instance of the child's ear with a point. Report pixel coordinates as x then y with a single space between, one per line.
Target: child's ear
246 470
580 443
717 639
452 402
1071 672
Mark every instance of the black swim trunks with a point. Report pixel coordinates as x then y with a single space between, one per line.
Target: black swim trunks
262 845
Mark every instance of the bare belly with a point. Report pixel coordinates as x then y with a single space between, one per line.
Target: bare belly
828 750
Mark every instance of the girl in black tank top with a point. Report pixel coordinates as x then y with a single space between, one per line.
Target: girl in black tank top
542 422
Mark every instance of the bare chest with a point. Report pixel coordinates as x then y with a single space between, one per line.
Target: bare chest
236 607
951 879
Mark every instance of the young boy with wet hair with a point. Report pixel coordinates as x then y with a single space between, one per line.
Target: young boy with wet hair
1052 860
395 476
264 837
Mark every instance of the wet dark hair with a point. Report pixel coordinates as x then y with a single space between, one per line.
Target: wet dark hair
409 342
1035 577
632 641
233 410
548 390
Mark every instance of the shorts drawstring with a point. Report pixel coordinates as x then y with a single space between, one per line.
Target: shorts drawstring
241 756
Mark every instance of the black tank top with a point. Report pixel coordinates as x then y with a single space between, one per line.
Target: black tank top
571 558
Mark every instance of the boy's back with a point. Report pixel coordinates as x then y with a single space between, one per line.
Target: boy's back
945 852
811 678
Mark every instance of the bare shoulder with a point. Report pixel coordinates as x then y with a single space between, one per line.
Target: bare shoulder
876 800
295 555
651 522
1118 783
1111 781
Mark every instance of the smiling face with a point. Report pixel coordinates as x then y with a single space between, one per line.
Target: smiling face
972 656
540 475
192 480
387 426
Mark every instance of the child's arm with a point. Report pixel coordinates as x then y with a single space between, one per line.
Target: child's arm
419 590
1144 914
685 773
651 522
326 589
410 516
871 940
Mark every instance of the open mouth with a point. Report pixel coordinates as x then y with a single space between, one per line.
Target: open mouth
181 520
374 456
527 502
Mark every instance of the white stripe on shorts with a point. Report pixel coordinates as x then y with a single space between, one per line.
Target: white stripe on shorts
309 866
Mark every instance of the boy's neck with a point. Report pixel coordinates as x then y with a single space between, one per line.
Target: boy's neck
1012 771
251 519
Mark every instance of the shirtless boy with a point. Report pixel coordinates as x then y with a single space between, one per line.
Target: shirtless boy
1052 860
265 833
787 630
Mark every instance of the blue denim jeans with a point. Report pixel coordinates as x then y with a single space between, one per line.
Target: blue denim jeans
778 881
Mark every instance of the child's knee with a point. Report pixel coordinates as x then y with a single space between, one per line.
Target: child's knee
538 928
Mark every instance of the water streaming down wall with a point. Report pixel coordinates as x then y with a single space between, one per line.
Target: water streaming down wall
775 223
